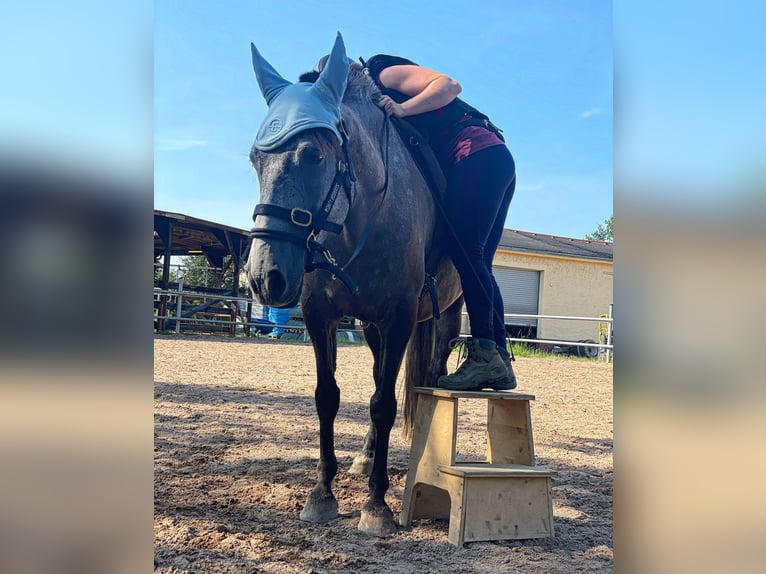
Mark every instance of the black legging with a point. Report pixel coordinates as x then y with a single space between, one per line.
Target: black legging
479 191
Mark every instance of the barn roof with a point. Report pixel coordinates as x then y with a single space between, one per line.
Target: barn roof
191 235
186 235
527 241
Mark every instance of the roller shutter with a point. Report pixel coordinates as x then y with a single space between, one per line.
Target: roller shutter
521 292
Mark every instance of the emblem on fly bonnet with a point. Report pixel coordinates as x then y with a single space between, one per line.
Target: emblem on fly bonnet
275 125
295 107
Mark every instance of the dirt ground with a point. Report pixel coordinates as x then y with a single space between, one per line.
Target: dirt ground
236 447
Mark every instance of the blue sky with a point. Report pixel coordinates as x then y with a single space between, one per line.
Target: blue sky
541 70
690 93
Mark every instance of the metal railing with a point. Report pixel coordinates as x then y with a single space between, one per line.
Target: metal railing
167 299
174 298
604 329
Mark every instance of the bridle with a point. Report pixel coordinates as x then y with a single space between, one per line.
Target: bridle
307 224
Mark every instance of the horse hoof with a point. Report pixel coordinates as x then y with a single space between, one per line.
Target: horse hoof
362 465
320 507
378 521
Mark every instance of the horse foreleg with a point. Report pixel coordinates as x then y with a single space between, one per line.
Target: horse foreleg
321 505
363 461
377 518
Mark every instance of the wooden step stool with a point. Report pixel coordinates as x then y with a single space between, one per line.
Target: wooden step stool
506 497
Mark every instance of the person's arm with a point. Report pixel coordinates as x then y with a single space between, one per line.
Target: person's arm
430 90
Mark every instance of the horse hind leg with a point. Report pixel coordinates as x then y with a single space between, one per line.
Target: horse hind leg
447 328
321 505
427 355
364 460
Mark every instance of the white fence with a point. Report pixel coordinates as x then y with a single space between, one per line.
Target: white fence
168 306
605 332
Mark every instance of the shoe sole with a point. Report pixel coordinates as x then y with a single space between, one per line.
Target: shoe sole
503 386
477 386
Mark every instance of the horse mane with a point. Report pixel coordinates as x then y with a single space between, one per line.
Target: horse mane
360 87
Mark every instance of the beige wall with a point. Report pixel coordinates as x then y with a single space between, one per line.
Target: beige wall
568 286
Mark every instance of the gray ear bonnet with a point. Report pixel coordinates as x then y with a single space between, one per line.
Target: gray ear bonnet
297 107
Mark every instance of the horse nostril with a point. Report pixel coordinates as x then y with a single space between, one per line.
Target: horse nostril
275 284
255 285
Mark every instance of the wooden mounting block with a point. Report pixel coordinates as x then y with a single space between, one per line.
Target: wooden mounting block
507 497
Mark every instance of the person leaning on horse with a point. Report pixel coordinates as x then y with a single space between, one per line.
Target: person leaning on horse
481 179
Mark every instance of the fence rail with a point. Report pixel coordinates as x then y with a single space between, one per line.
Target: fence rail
237 320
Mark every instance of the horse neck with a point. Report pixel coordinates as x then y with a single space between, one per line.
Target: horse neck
392 198
380 158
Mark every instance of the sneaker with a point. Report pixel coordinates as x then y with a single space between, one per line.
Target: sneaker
482 368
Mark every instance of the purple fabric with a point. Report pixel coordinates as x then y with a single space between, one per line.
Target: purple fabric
469 141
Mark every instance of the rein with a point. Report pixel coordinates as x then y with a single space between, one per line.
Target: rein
383 191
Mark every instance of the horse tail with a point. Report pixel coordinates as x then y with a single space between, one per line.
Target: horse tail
417 364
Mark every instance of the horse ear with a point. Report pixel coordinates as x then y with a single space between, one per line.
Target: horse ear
334 76
269 80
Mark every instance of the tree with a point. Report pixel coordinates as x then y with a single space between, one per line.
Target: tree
158 271
198 271
604 231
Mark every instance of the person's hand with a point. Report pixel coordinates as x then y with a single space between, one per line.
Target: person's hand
391 107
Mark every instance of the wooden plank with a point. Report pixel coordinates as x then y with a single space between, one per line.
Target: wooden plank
456 488
435 429
509 433
507 509
433 443
505 395
479 470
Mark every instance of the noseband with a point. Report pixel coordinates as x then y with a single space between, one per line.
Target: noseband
307 224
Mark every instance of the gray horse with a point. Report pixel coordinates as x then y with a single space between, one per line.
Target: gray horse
347 224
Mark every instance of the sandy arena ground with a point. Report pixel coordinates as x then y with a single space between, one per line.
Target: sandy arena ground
236 447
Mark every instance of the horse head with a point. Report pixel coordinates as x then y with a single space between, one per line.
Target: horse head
303 172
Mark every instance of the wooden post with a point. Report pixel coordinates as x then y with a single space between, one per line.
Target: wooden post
433 444
167 238
509 433
179 303
248 317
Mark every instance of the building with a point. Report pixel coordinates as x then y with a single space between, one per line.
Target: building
547 275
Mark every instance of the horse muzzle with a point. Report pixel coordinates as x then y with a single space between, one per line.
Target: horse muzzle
275 273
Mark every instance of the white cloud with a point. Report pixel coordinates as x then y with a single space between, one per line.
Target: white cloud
592 112
179 144
531 187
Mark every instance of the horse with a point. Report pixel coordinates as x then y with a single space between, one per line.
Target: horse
346 190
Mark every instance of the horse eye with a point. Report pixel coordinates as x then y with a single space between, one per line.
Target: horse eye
313 155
